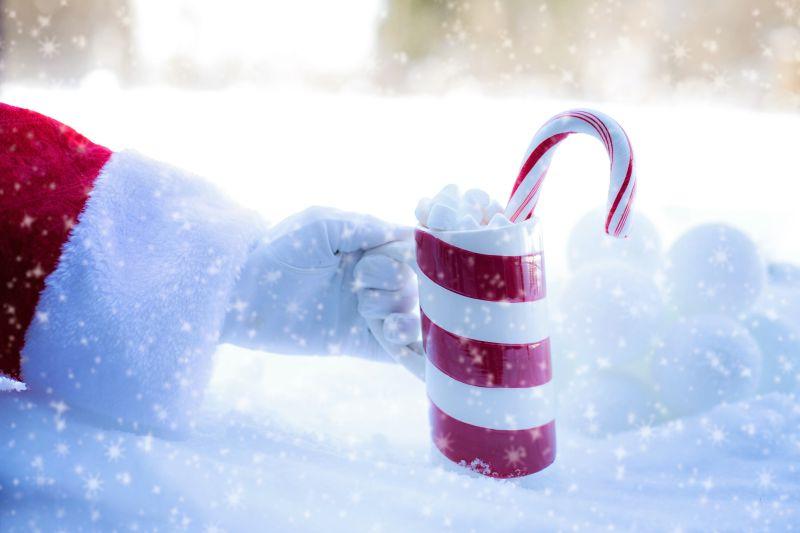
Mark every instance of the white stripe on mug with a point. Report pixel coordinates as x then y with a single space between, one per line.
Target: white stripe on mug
501 322
487 407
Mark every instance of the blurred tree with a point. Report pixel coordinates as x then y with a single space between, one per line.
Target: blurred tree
60 41
743 49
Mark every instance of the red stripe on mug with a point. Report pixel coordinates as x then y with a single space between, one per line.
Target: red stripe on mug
497 278
494 452
486 364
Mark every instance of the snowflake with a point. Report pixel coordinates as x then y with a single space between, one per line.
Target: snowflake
620 453
535 434
765 479
239 305
293 308
444 442
334 348
720 257
717 435
92 485
114 451
680 52
48 48
59 407
358 284
37 271
146 443
515 455
234 498
273 276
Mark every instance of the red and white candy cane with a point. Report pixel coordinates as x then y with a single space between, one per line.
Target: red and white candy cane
622 190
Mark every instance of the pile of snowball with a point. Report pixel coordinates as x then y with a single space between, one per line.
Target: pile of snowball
642 335
451 210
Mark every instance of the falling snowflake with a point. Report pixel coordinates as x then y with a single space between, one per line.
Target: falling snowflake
92 485
515 455
48 48
114 451
444 442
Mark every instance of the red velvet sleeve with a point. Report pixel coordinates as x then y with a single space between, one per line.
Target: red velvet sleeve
47 171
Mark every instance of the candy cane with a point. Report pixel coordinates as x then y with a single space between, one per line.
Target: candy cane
622 190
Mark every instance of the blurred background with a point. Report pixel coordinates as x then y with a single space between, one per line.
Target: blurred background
740 51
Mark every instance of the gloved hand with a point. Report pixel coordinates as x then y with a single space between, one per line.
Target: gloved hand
306 290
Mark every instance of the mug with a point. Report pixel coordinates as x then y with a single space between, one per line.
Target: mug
488 372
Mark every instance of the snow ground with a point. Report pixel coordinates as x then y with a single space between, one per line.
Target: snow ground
337 444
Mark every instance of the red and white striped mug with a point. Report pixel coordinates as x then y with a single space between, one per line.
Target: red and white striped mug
485 335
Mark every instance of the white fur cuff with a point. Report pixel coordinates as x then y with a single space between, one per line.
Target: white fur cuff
127 324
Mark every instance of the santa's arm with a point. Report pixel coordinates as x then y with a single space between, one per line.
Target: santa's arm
115 273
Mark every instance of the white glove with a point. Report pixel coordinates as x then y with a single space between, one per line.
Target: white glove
304 291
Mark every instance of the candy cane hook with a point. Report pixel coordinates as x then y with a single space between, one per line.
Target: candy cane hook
622 190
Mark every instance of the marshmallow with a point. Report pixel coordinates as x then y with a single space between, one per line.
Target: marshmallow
468 222
470 209
499 220
422 211
491 210
450 190
448 196
450 210
442 217
477 197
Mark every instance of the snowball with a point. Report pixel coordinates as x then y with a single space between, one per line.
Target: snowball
609 314
442 217
715 269
785 274
588 243
780 348
605 402
781 301
704 361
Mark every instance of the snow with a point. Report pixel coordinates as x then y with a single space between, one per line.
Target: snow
337 444
287 443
